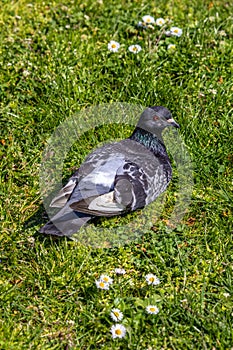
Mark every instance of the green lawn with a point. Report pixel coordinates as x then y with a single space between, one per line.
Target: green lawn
54 63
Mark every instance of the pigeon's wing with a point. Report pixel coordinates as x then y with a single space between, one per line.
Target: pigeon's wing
129 193
94 177
97 182
131 186
64 194
103 205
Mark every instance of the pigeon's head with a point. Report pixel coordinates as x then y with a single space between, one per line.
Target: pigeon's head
155 119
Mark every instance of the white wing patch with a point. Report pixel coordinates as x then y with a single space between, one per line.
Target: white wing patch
63 195
106 203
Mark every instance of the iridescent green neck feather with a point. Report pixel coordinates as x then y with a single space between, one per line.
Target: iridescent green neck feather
150 141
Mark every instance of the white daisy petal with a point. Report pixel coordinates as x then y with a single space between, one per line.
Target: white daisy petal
113 46
160 22
106 279
148 19
102 285
118 331
142 25
26 73
152 279
152 309
150 26
175 31
120 271
171 47
116 315
135 48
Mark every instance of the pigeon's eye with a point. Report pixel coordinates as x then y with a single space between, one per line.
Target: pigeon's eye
155 117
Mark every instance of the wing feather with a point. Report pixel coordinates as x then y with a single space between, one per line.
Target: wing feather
64 194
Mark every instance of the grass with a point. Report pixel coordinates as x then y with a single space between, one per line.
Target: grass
54 63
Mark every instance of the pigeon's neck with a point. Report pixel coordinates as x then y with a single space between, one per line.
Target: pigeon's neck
150 141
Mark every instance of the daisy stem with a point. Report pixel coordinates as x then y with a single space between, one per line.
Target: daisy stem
158 40
149 43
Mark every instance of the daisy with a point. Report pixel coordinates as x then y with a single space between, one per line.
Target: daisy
141 25
160 22
222 33
135 48
148 19
171 47
120 271
214 92
102 285
116 315
152 279
150 26
175 31
118 331
106 279
26 73
113 46
152 309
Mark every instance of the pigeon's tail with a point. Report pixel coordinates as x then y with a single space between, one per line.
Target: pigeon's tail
65 222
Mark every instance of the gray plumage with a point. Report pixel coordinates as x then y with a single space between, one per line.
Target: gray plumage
116 178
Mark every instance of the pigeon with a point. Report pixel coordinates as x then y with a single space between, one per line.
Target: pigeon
117 178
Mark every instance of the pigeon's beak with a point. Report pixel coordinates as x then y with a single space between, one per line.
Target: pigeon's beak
173 123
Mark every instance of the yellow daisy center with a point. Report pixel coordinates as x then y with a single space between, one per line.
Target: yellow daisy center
148 20
116 313
151 279
152 309
176 30
113 46
102 284
118 331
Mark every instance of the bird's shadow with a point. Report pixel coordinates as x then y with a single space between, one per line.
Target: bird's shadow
37 220
40 217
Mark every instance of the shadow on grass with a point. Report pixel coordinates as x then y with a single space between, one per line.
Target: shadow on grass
40 217
35 222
